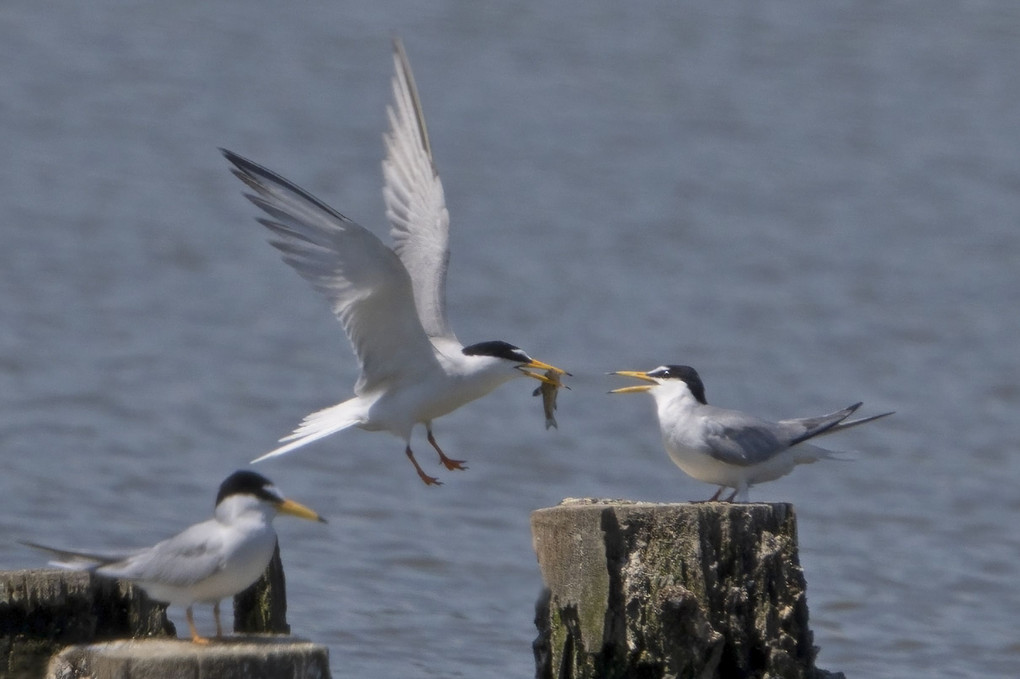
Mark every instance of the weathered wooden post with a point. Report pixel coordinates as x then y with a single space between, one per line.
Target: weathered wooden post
63 624
42 611
262 608
671 590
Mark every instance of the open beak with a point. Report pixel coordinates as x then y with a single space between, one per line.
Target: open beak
299 510
636 388
538 365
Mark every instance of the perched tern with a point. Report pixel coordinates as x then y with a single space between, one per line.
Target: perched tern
727 447
208 561
390 302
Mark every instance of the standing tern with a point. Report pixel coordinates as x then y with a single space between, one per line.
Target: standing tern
390 302
208 561
727 447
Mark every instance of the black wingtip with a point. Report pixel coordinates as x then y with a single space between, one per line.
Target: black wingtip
242 163
230 155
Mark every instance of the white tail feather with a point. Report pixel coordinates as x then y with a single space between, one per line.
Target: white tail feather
805 453
319 424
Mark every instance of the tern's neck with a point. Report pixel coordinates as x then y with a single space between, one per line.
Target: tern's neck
244 509
674 398
478 368
471 377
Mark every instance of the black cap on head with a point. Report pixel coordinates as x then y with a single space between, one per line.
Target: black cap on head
497 349
685 373
245 482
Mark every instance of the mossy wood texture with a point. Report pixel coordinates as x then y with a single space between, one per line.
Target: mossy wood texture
41 611
262 608
671 590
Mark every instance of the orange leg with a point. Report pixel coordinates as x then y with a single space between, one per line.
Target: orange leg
195 636
429 480
447 462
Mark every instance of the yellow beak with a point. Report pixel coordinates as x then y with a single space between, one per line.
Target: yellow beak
538 365
636 388
299 510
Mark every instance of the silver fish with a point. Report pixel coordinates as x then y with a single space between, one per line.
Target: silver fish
548 389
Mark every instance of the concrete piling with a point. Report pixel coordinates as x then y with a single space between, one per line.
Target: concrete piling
671 590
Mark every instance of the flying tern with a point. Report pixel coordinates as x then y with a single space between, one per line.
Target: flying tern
390 302
727 447
206 562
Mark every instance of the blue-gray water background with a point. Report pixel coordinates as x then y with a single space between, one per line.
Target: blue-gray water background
812 203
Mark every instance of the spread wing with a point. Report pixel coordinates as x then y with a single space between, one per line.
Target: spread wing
181 561
367 287
415 205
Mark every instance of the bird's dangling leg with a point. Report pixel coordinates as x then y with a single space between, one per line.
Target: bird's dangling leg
195 636
731 495
216 614
429 480
447 462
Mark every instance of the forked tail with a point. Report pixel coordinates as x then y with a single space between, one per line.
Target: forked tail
808 453
79 560
853 423
319 425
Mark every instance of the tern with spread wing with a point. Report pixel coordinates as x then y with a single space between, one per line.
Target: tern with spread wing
208 561
727 447
390 302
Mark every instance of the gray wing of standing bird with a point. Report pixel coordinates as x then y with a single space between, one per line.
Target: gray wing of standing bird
741 439
181 561
187 558
390 302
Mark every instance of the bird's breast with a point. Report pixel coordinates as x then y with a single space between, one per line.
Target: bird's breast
431 399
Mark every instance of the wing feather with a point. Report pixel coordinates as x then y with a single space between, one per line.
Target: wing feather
368 288
740 439
804 428
415 204
745 443
75 559
181 561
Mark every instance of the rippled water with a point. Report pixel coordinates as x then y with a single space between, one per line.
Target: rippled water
812 204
